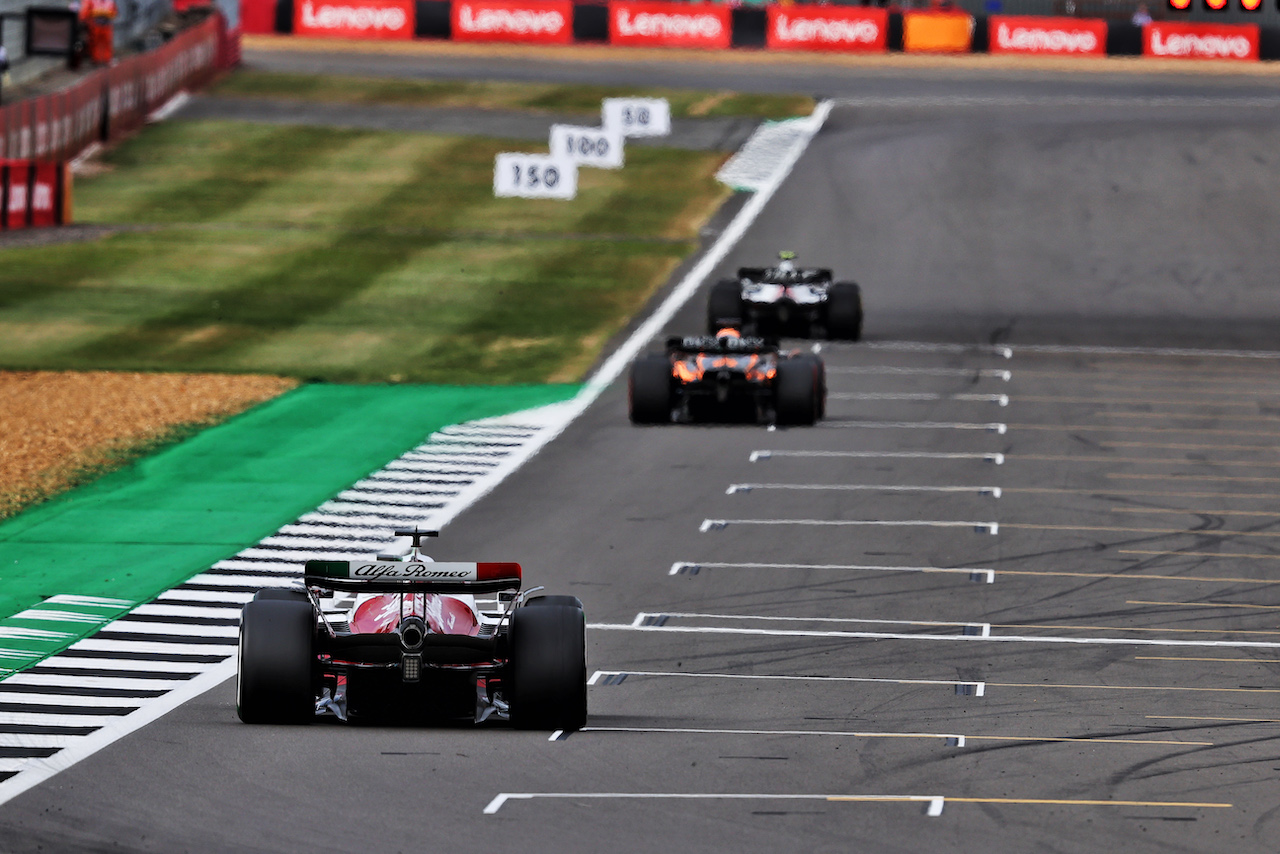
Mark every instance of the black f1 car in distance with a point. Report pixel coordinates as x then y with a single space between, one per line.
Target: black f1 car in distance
787 300
727 377
403 637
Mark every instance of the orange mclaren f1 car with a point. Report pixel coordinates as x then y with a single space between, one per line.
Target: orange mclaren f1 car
727 377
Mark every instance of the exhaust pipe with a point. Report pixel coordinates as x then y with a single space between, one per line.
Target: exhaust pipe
413 631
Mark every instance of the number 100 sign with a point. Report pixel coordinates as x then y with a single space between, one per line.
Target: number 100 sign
534 176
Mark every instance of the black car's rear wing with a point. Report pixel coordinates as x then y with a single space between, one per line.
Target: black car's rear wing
767 274
412 577
727 344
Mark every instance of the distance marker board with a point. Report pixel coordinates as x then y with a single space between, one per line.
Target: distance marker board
598 147
637 116
534 176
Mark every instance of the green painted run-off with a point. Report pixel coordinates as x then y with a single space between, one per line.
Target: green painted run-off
137 532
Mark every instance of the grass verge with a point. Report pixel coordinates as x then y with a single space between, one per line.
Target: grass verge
347 255
501 95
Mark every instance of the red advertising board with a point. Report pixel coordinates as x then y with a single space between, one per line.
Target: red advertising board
1059 36
842 28
19 192
1184 40
44 193
538 21
669 24
354 19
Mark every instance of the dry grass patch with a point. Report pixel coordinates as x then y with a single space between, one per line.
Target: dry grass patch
59 429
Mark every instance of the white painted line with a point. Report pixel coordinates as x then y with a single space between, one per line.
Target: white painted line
993 373
70 660
998 459
169 107
87 601
36 771
27 739
735 488
24 633
933 802
980 687
55 616
1149 351
151 647
52 719
998 399
61 700
182 629
680 567
164 610
1047 639
999 350
978 527
209 595
644 617
31 678
993 427
954 739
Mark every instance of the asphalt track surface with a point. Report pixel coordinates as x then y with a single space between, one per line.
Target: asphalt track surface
1083 659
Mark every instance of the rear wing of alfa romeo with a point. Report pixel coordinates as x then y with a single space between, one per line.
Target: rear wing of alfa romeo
412 577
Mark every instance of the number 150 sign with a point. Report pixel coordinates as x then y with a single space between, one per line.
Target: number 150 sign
534 176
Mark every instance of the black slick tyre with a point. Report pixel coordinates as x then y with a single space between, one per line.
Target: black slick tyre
844 311
724 306
795 391
548 667
555 599
820 377
274 676
649 390
282 593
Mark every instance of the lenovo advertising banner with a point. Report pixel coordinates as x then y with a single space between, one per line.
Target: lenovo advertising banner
842 28
1182 40
354 19
1056 36
669 24
537 21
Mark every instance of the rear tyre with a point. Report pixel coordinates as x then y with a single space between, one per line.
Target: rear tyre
273 680
548 667
556 599
820 377
724 307
844 311
281 593
649 390
795 391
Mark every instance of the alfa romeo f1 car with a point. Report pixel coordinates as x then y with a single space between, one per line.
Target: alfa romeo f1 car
728 377
405 638
786 300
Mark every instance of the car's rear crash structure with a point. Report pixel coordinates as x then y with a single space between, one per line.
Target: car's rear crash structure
727 378
405 638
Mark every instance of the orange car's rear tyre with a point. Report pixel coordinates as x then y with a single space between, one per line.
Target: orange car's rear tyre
795 391
649 390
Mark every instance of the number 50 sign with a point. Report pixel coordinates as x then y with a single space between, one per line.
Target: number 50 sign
534 176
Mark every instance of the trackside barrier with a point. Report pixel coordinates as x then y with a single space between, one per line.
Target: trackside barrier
111 102
775 27
1201 41
34 194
